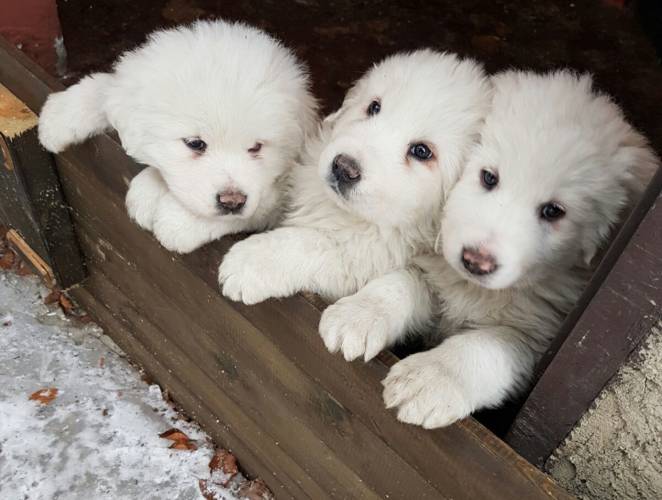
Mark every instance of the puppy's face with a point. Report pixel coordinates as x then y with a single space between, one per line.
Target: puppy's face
220 130
218 166
397 143
551 176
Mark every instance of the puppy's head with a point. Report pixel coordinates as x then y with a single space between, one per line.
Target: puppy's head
556 167
220 109
396 145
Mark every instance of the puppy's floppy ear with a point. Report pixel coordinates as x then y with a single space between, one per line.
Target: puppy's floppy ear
330 120
632 167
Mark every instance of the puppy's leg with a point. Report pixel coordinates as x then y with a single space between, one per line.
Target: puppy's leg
145 191
75 114
181 231
377 315
468 371
280 263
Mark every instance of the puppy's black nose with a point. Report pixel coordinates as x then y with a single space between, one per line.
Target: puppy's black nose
346 171
478 261
230 202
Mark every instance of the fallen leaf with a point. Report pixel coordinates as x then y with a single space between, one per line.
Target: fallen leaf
173 435
24 269
85 318
180 440
255 489
209 495
183 445
44 396
225 462
7 260
52 297
65 304
104 412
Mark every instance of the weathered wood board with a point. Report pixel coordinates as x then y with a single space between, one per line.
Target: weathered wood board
30 193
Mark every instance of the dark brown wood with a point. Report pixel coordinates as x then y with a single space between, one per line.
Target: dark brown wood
31 202
309 423
621 306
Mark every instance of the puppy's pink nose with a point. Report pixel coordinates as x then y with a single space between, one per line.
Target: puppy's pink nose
478 261
231 201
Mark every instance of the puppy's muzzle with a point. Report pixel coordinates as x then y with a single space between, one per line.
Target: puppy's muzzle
345 172
230 202
478 261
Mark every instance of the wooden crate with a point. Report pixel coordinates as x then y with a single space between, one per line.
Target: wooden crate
258 379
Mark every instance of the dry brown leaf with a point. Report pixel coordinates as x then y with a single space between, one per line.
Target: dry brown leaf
225 462
183 445
24 269
173 435
255 489
52 297
65 304
209 495
180 440
7 260
44 396
85 318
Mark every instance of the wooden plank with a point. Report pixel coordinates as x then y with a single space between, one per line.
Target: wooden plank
32 201
30 192
625 304
40 266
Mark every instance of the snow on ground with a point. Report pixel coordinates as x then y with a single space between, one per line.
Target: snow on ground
99 437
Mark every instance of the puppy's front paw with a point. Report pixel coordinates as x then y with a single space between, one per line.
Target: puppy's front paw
55 126
247 273
143 197
425 393
177 229
355 327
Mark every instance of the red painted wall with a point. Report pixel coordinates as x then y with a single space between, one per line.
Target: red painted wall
32 25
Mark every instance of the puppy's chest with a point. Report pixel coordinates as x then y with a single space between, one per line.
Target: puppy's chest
369 254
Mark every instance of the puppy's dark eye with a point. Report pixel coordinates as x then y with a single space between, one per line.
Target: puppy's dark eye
551 211
488 179
196 144
420 151
256 148
374 108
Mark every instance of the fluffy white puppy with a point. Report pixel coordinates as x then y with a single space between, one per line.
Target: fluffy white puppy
362 200
217 110
556 169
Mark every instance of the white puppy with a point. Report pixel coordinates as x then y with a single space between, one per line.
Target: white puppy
556 169
363 197
217 110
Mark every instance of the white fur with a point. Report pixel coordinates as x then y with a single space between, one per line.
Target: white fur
551 137
335 245
229 84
